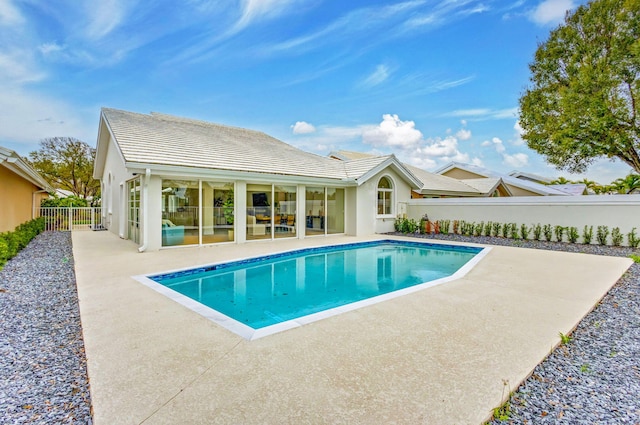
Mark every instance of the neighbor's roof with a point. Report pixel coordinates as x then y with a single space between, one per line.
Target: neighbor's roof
159 139
11 160
530 176
575 189
431 183
508 180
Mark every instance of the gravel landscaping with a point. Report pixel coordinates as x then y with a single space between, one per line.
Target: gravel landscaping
43 371
592 378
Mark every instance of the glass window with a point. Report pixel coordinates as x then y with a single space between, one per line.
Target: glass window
259 211
133 215
284 216
324 211
314 207
180 212
218 212
385 195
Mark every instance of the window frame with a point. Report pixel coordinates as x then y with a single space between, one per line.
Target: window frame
389 195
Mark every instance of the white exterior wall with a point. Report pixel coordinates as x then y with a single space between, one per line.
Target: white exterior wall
114 175
621 211
368 221
351 211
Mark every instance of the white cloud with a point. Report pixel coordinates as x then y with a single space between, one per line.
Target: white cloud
517 160
463 134
9 14
302 127
496 143
253 10
28 117
518 140
48 48
393 132
551 11
17 67
104 16
378 76
484 113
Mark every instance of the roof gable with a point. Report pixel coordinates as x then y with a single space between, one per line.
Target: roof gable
11 160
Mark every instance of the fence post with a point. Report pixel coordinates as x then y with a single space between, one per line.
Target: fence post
70 219
92 221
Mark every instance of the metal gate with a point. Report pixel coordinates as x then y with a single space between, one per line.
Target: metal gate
66 219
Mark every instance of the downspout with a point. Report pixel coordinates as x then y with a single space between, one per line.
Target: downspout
33 202
145 212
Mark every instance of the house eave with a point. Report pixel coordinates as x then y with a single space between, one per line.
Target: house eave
210 173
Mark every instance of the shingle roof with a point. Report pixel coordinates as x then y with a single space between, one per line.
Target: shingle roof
168 140
509 180
431 183
435 183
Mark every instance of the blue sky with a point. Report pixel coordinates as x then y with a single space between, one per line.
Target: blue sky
431 81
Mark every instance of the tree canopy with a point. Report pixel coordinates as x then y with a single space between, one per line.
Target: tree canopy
583 99
67 163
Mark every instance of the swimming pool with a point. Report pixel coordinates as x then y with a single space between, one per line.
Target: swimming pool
260 296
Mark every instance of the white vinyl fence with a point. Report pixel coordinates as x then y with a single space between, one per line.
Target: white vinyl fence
67 219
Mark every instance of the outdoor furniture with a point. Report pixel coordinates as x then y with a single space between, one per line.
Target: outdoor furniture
253 228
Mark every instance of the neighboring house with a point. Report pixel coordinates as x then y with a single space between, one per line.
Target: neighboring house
517 186
439 186
170 181
530 177
574 189
21 190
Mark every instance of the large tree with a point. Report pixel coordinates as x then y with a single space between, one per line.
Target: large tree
67 163
582 102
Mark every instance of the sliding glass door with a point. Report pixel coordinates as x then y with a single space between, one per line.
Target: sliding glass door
324 208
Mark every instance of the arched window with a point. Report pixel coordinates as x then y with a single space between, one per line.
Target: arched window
385 196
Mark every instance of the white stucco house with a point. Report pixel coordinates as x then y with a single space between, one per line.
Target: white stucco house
169 181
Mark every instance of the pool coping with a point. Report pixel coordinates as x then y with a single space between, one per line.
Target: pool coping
251 334
448 354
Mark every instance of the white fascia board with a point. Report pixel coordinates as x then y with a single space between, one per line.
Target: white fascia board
24 170
397 167
102 149
207 173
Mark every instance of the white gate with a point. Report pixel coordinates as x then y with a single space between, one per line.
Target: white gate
66 219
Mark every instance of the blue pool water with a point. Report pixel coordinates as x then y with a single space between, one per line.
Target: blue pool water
264 291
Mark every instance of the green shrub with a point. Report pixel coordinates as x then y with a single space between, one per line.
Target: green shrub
12 242
537 232
487 228
524 231
587 234
514 230
559 232
616 236
477 231
572 234
633 239
546 231
602 234
496 228
505 230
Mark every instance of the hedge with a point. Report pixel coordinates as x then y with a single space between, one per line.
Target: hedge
12 242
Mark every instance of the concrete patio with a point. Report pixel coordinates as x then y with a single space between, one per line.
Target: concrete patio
447 354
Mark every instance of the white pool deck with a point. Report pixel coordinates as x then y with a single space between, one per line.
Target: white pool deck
441 355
